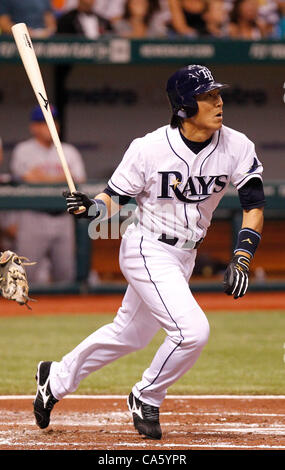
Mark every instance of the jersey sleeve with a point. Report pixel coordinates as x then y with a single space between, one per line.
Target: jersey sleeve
251 194
122 199
246 165
129 177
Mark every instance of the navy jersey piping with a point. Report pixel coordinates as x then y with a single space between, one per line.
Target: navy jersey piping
218 140
125 192
198 208
252 175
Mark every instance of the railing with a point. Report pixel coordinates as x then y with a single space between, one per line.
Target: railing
114 50
28 197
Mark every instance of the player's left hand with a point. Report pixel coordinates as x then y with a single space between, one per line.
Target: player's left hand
236 276
76 200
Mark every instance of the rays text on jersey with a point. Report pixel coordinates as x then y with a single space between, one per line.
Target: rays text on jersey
195 189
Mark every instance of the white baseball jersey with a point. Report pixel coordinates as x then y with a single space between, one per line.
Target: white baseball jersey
176 190
30 154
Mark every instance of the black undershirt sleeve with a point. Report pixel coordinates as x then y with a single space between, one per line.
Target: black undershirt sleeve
122 199
251 194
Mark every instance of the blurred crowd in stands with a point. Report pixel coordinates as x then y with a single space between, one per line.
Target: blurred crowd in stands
237 19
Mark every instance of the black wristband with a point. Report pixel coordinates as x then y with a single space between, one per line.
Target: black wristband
248 241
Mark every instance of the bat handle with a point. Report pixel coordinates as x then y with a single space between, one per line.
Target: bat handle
72 189
80 210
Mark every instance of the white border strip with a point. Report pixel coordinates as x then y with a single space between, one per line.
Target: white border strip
169 397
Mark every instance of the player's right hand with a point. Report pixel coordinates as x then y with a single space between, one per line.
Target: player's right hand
236 276
76 200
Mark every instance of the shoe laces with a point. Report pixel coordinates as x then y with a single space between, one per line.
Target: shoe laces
151 413
51 400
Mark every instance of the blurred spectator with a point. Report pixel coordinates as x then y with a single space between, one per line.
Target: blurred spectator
229 5
187 17
37 14
57 7
115 11
216 19
269 14
105 8
161 18
279 31
45 235
140 19
109 10
245 22
83 21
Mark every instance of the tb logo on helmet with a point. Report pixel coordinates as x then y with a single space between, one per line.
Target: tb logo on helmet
207 74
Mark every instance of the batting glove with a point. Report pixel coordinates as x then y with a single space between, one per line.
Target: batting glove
236 276
76 200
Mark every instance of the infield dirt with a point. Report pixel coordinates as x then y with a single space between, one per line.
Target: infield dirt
187 423
251 423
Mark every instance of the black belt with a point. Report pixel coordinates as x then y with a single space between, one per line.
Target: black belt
188 244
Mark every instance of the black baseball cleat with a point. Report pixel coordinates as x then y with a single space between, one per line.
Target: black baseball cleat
145 417
44 401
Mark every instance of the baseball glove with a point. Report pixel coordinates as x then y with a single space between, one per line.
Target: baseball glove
13 279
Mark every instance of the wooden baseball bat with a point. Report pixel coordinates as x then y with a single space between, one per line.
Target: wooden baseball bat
30 62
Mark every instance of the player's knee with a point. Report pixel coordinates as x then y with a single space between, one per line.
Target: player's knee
197 335
203 335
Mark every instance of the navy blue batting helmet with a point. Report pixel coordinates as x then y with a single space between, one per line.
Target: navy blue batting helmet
185 84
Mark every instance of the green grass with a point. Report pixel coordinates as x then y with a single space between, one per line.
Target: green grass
244 354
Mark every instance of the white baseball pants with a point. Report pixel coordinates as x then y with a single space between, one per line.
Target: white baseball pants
158 296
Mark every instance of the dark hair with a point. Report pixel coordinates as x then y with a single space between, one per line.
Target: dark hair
235 14
153 6
176 121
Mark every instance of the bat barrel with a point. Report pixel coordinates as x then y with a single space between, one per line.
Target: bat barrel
31 65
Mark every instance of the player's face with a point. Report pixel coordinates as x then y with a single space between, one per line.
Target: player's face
41 132
210 113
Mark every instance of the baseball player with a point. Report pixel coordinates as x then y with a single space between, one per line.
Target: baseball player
45 236
178 174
